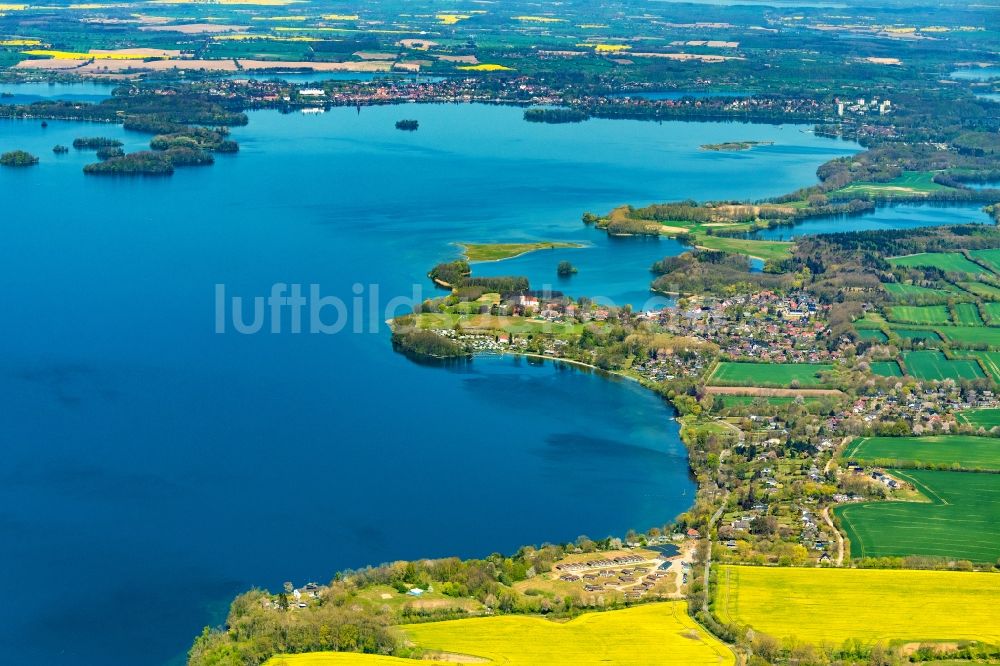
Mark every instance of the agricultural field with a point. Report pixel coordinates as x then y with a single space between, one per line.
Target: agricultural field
992 312
971 336
967 314
950 262
989 257
872 334
980 418
990 361
768 374
484 323
967 451
884 604
907 291
619 637
908 184
920 314
886 369
982 290
935 366
761 249
337 659
917 334
961 520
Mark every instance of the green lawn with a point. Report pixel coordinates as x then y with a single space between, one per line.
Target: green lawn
920 314
768 374
962 520
886 369
985 418
979 453
967 314
933 365
909 184
951 262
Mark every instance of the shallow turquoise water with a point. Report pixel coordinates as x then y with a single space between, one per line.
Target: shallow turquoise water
154 467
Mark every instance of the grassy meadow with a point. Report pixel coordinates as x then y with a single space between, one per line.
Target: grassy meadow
908 184
501 251
834 605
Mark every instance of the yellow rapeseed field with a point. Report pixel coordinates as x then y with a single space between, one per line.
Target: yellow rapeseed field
833 605
485 67
73 55
660 633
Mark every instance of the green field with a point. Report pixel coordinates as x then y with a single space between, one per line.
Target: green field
908 184
993 312
967 451
500 251
768 374
920 314
917 334
934 366
962 520
747 400
982 290
886 369
871 334
990 361
970 336
967 314
985 418
950 262
907 291
989 257
834 605
761 249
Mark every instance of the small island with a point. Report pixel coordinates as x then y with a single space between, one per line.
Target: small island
95 143
555 116
60 150
501 251
735 145
143 163
407 125
18 158
565 269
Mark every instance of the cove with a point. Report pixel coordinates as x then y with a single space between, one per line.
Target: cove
154 468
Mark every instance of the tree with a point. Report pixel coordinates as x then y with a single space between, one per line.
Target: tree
565 269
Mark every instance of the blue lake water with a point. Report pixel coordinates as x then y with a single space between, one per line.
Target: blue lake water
153 467
34 91
977 73
903 216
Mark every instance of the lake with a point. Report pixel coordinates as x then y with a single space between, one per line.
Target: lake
977 73
153 467
900 216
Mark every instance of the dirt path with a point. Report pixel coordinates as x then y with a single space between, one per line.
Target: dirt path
751 390
840 539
